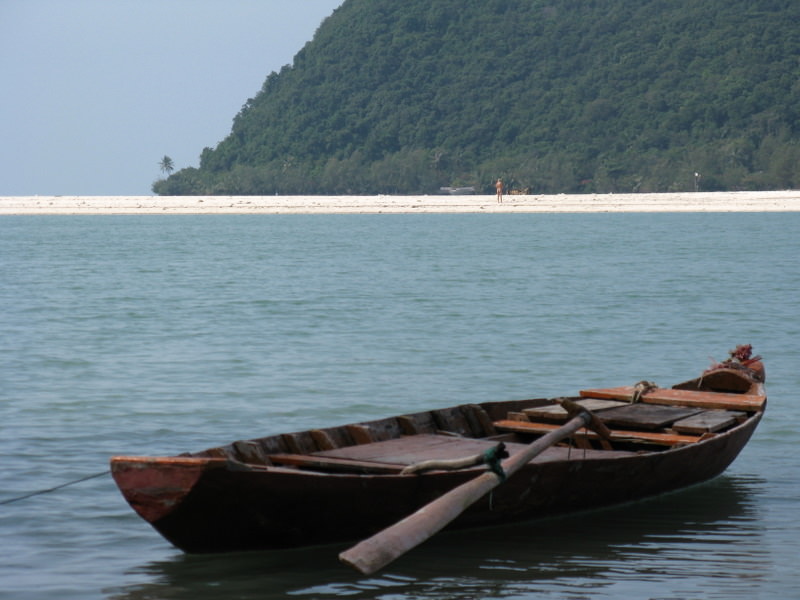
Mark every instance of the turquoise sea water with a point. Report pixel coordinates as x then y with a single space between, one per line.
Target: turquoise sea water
159 335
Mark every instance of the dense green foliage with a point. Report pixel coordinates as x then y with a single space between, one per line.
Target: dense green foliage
558 95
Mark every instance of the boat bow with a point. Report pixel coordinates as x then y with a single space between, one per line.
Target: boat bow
155 486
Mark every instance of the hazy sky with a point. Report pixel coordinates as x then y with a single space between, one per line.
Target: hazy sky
96 92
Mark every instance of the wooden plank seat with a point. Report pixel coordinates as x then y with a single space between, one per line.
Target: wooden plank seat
613 413
407 450
391 456
709 421
640 437
413 449
641 415
557 413
690 398
645 416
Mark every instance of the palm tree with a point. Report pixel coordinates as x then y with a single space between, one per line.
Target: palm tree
166 165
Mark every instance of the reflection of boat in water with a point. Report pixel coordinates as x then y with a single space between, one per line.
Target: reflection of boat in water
680 533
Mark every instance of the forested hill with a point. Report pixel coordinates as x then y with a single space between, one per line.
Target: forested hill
556 95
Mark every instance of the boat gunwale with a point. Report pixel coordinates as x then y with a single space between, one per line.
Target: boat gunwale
236 464
210 463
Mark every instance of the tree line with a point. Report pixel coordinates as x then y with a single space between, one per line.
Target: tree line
568 96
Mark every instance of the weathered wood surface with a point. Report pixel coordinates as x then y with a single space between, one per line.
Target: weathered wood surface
714 400
408 450
323 439
343 465
387 545
392 456
361 434
417 423
483 419
708 421
641 437
556 412
646 416
250 452
299 443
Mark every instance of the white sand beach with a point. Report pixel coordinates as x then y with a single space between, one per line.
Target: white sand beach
781 201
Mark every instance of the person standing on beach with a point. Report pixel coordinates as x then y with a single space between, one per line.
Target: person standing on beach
499 187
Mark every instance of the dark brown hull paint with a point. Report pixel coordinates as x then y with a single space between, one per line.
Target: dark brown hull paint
208 503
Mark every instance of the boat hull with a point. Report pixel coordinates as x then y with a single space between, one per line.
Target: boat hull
206 505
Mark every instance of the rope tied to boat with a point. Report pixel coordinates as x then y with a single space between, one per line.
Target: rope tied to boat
640 389
492 458
740 359
55 488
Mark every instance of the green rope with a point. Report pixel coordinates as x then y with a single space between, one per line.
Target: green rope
492 458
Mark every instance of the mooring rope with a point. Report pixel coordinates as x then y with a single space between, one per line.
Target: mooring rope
53 489
640 389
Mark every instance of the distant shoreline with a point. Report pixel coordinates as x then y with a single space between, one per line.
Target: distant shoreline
781 201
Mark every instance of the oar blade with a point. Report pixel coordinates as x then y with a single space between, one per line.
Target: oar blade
376 552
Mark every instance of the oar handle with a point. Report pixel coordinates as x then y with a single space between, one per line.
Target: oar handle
376 552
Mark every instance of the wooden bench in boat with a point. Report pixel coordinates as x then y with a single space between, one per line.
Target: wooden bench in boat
684 420
645 416
689 398
613 413
557 413
642 422
641 437
407 450
391 456
709 421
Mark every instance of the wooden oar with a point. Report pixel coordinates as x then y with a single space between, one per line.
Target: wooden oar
376 552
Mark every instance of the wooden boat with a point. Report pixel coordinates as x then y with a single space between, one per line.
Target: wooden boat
347 482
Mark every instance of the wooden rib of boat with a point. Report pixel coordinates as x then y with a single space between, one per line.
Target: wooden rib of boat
345 483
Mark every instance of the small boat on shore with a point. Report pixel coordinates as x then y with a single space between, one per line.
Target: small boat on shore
344 483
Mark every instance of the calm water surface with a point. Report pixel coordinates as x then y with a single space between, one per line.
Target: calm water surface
153 335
